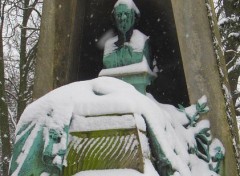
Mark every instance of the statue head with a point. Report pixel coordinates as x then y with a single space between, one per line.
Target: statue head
124 15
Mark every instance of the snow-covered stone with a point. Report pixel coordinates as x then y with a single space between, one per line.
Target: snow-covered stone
78 101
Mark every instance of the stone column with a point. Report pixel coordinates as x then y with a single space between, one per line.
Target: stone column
206 74
59 45
44 65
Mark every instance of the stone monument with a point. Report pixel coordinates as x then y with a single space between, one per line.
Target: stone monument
95 126
196 36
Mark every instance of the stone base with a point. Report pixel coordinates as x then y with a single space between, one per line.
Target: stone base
139 80
104 149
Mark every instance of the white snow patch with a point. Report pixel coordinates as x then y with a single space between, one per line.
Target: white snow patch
57 160
216 143
130 4
202 100
45 174
200 168
81 123
136 68
176 174
228 95
222 21
234 34
149 171
60 146
141 125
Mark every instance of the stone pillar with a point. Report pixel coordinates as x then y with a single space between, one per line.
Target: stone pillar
206 74
44 65
59 45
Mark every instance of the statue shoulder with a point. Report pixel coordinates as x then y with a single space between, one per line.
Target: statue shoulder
138 40
110 45
137 33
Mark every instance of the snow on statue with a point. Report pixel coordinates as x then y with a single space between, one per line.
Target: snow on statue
106 127
43 132
127 55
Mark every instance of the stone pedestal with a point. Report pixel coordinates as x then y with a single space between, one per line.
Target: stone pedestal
115 147
140 80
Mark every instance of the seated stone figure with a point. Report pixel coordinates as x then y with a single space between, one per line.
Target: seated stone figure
127 55
130 46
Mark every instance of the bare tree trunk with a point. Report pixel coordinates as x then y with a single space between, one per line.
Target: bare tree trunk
4 125
24 59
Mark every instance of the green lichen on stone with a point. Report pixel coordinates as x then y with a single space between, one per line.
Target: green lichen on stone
104 149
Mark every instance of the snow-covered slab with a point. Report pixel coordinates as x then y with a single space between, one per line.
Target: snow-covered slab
132 69
50 117
81 123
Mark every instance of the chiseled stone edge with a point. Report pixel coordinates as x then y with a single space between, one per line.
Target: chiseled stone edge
219 56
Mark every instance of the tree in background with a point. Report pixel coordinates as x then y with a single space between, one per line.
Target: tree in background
19 34
4 125
29 35
228 14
